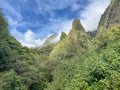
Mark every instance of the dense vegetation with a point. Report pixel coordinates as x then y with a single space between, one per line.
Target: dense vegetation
97 69
75 42
20 68
79 61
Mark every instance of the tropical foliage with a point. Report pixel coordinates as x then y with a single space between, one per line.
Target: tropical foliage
79 61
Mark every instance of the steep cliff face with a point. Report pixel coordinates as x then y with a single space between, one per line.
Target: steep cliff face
111 17
75 42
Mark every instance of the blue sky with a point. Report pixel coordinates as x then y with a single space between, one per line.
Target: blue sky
32 21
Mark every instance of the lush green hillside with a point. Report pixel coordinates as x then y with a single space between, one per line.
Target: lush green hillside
20 68
96 69
74 43
79 61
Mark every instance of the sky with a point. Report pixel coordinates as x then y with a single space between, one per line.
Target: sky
31 22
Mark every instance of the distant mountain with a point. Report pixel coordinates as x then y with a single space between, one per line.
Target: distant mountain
48 45
111 17
75 42
50 40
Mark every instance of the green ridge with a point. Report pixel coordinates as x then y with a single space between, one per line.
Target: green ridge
74 63
75 42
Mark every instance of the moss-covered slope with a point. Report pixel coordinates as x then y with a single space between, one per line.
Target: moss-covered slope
75 42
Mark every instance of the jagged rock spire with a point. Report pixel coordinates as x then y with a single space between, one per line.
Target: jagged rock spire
76 41
76 25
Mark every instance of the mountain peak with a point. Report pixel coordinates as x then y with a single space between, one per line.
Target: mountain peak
71 44
76 25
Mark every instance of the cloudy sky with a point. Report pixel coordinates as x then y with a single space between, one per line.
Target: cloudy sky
32 21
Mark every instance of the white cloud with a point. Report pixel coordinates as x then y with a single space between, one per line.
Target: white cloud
28 38
90 16
44 6
59 25
66 26
8 8
12 22
75 6
63 26
31 39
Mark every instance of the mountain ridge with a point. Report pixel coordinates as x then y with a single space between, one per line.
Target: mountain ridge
76 39
77 62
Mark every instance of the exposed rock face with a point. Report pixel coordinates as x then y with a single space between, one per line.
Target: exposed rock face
63 35
76 25
111 17
75 42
